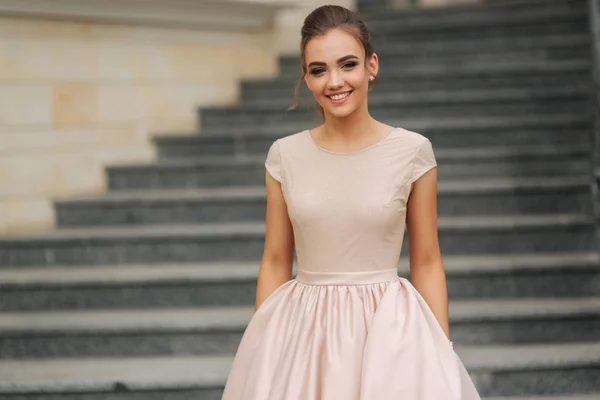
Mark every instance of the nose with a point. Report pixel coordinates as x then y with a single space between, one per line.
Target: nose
335 80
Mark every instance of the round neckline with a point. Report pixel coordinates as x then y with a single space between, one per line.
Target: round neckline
338 153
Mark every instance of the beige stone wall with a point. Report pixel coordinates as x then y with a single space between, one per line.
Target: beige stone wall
77 96
288 23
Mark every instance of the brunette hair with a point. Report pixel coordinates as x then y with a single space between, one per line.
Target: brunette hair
322 20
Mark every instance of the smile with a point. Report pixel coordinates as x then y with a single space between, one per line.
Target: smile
339 98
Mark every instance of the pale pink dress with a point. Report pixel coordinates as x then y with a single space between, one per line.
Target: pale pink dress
347 327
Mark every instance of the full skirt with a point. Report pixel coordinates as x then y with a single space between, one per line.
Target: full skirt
350 336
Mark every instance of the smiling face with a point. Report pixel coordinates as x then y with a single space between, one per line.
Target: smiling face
336 72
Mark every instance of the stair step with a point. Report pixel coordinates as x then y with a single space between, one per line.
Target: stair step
218 330
557 74
461 197
259 119
382 101
236 318
454 164
465 10
430 68
392 59
245 241
496 370
252 144
423 124
118 286
467 46
473 17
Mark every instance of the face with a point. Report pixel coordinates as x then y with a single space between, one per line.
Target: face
337 74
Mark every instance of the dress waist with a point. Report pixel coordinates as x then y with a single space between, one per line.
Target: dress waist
346 278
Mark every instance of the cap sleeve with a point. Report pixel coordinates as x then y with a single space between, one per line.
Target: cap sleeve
424 161
273 162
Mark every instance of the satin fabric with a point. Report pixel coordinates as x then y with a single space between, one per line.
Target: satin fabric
351 336
347 327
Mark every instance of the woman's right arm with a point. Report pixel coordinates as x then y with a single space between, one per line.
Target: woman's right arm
276 264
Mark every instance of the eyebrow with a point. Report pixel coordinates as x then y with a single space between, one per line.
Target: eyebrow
341 60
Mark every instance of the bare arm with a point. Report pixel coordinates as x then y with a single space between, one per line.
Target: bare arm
276 264
426 266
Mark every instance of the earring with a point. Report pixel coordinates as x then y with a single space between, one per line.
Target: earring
371 78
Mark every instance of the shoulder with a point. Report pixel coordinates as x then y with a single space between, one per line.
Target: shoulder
410 139
290 145
290 141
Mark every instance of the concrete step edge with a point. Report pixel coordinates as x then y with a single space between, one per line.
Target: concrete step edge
226 230
550 67
419 124
515 42
147 373
227 272
432 69
443 153
217 319
430 97
468 8
221 194
440 22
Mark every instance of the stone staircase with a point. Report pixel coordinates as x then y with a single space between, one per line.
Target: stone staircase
144 293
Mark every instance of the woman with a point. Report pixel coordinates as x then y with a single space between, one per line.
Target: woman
348 327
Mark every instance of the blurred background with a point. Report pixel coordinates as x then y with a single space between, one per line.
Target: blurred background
133 135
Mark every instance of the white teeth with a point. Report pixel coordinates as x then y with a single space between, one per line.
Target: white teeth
340 96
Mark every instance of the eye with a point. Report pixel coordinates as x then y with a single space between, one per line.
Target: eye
350 64
317 71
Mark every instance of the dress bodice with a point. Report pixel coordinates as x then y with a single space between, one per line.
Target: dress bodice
348 210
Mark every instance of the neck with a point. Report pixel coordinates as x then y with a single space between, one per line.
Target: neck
351 127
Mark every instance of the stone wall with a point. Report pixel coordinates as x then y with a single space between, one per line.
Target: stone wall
76 96
289 22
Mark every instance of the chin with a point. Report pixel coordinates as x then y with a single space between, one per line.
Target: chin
341 113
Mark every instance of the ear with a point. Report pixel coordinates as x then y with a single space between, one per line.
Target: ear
373 65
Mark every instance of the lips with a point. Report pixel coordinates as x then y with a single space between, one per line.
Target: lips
339 97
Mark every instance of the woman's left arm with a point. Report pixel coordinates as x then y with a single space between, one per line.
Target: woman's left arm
426 266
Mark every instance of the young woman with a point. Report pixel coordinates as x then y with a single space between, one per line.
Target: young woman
348 327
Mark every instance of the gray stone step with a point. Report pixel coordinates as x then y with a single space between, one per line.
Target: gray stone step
460 65
471 197
468 102
454 164
198 331
263 119
493 234
483 44
424 125
467 46
558 129
464 12
530 22
497 370
392 60
222 284
563 74
473 17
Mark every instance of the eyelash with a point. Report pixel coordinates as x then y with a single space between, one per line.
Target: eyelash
319 71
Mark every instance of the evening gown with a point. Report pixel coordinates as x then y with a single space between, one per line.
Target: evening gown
347 327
